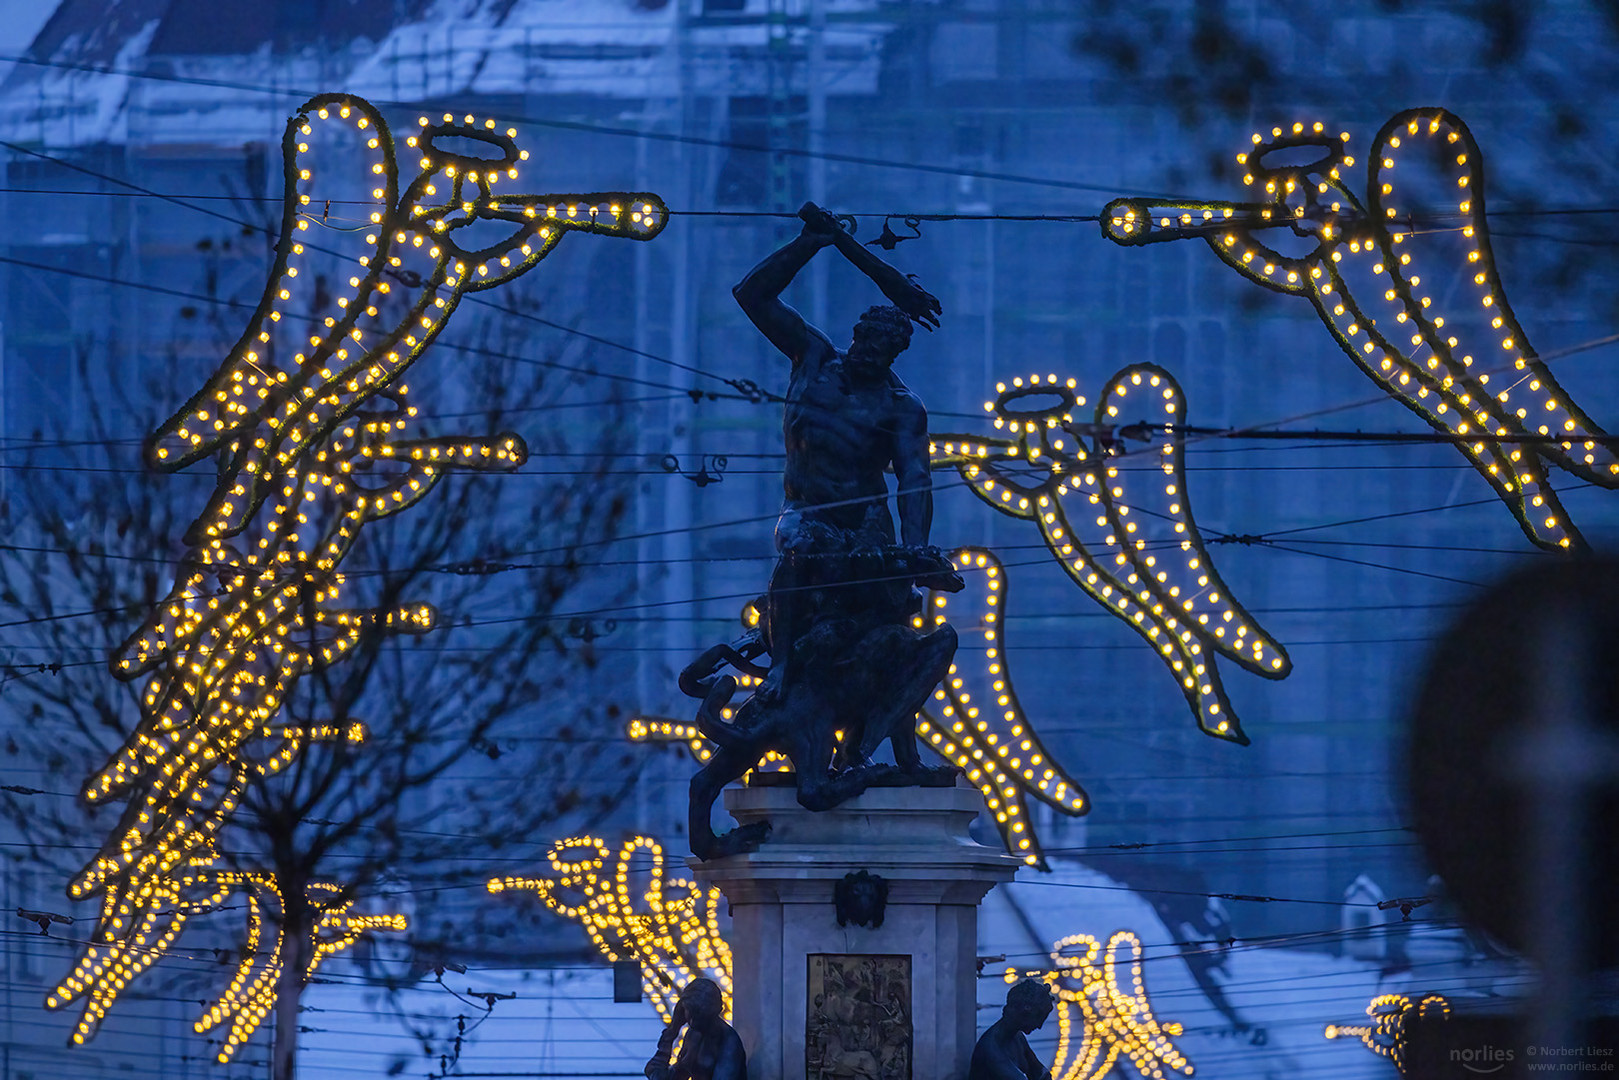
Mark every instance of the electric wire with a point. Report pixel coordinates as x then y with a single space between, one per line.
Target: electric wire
1267 542
597 129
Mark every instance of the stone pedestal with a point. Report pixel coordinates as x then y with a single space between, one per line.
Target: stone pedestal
785 930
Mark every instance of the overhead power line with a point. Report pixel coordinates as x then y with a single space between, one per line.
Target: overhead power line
275 234
596 129
1267 540
746 388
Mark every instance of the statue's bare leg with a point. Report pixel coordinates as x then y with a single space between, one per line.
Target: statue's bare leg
891 708
932 665
816 750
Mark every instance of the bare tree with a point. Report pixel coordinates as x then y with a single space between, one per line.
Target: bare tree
476 736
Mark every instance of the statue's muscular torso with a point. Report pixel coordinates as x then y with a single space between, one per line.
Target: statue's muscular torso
843 431
840 436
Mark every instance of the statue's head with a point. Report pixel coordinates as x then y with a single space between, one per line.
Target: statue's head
704 1002
1028 1004
882 333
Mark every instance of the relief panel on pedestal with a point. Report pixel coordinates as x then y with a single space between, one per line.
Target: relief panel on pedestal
858 1017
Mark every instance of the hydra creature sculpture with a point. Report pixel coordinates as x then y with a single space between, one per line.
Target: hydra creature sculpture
847 668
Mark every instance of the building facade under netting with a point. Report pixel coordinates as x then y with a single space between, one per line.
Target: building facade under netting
141 147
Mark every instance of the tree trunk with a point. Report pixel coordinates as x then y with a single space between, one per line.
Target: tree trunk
297 928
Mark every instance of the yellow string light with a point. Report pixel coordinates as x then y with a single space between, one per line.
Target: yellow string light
1136 549
662 729
1469 371
1386 1034
974 720
670 926
1103 1014
308 429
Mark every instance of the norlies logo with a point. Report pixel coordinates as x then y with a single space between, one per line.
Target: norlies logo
1483 1060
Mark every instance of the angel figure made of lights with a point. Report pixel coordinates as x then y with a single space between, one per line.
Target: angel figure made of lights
1110 501
305 421
1388 1031
848 669
1104 1014
1408 289
670 926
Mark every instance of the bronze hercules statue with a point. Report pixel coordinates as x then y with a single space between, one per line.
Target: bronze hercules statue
836 622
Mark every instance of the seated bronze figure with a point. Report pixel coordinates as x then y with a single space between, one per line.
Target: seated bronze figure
1003 1052
711 1049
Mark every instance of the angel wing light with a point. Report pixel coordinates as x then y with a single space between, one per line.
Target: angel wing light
306 418
670 926
1120 523
976 722
1386 1035
1373 269
1103 1013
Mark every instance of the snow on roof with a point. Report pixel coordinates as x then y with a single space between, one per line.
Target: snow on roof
97 32
239 79
1285 996
20 23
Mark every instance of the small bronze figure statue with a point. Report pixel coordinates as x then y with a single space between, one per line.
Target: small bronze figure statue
1003 1053
847 668
711 1050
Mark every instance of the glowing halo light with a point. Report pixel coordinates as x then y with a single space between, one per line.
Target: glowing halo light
1386 1035
295 417
1437 358
973 720
1136 549
1102 1010
670 926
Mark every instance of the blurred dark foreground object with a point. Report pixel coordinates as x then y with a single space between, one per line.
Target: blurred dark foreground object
1514 783
1543 642
1465 1047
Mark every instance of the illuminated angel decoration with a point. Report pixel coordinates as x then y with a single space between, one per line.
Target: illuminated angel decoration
670 926
1103 1013
306 419
1386 1034
1120 522
1464 365
974 720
